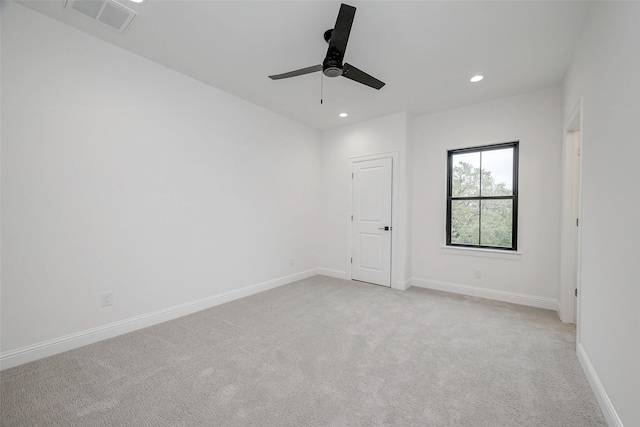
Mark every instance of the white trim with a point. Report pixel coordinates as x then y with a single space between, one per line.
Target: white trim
37 351
481 252
493 294
402 285
606 406
334 273
395 209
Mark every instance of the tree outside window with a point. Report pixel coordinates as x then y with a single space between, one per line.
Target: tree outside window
482 196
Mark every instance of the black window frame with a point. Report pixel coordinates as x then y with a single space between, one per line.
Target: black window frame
514 197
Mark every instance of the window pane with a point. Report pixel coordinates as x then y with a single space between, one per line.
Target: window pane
465 222
497 217
497 172
465 176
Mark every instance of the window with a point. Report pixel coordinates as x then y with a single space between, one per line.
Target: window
482 197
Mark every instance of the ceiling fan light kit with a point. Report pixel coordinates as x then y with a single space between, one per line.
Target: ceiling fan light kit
333 65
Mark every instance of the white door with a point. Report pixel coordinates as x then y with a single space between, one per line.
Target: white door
371 239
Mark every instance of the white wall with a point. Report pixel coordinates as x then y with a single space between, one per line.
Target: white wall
534 119
384 135
605 73
121 175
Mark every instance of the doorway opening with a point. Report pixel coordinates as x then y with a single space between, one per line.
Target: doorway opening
571 235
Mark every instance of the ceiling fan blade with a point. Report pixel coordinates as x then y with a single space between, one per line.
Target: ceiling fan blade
357 75
299 72
340 34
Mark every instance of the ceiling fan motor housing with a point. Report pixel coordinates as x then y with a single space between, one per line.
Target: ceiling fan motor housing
332 65
332 70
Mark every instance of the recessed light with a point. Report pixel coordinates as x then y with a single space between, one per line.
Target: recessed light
343 114
477 78
137 1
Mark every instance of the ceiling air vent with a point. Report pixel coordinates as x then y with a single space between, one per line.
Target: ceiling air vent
108 12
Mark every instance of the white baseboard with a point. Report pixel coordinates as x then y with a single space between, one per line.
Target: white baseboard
334 273
37 351
399 285
606 406
474 291
402 285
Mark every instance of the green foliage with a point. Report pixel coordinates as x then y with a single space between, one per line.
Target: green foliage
496 215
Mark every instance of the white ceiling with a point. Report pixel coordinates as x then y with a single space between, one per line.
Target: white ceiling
425 52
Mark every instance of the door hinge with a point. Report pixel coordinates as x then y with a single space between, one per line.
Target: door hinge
352 175
576 291
351 217
577 222
352 263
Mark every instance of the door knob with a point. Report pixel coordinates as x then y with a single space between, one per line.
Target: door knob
384 228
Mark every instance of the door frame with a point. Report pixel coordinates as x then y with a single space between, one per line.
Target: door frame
571 236
394 210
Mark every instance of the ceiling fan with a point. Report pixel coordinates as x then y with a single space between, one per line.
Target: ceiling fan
332 65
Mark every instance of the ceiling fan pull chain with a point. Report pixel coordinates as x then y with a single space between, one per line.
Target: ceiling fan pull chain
321 86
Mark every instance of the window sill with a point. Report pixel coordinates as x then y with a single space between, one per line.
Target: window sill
481 252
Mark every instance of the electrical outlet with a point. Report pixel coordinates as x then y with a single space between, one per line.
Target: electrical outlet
477 273
107 298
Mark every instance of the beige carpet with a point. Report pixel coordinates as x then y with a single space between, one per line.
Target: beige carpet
319 352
